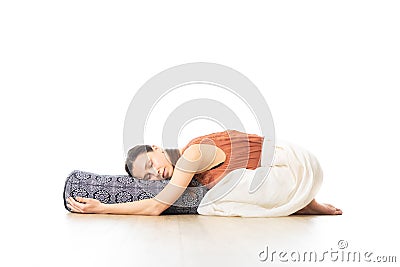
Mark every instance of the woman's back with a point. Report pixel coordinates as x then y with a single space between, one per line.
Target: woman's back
242 150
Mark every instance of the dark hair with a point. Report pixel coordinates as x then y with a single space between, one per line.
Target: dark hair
133 153
173 154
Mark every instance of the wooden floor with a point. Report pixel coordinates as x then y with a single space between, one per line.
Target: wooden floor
196 240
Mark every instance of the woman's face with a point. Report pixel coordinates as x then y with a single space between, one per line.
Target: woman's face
152 165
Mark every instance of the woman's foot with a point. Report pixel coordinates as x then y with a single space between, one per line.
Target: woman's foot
315 208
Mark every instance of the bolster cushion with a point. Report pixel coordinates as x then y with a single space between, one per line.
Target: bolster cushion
112 189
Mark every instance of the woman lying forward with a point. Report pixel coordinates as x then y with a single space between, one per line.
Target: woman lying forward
207 159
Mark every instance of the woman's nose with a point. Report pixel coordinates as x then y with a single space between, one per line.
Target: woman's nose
155 172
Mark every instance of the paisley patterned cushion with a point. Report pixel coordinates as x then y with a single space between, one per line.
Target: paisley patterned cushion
123 188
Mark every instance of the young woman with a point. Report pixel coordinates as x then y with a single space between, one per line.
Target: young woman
207 159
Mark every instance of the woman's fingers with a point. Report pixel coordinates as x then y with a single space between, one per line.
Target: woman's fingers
84 199
73 209
84 205
74 205
78 204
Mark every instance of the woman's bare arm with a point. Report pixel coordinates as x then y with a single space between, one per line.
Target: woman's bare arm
196 158
187 165
91 205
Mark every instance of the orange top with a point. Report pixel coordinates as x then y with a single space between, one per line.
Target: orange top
242 151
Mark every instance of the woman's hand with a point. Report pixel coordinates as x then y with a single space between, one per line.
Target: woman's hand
85 205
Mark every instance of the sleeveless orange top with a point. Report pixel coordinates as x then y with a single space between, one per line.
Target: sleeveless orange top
242 150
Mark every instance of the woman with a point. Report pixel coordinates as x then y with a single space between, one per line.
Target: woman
207 159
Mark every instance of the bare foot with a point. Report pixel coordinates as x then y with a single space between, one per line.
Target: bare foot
315 208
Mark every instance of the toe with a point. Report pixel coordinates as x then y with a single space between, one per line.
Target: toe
333 209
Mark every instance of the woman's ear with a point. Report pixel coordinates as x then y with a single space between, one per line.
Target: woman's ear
156 148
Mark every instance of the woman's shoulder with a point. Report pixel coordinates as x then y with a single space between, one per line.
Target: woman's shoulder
208 155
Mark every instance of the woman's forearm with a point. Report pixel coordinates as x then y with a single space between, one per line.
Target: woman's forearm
142 207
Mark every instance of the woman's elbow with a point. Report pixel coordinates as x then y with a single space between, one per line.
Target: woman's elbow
154 212
157 209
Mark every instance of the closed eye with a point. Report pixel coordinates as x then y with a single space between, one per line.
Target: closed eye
147 176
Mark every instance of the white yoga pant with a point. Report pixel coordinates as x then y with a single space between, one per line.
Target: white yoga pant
292 156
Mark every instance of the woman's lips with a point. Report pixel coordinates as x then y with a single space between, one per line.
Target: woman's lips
163 174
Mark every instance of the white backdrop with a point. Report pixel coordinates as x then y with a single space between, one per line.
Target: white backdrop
329 72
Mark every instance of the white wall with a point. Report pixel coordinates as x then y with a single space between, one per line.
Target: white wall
329 71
